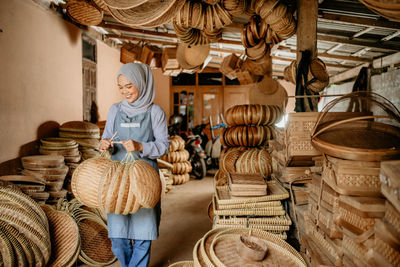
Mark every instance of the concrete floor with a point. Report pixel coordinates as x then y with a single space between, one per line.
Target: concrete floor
184 221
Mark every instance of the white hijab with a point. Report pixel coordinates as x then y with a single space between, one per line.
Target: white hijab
141 76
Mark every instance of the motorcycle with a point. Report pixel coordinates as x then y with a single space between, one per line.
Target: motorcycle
197 156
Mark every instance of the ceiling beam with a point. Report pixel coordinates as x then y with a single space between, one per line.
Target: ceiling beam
358 42
106 25
347 74
326 55
327 64
351 20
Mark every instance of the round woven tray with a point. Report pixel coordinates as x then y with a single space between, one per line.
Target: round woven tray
223 249
89 143
68 134
45 177
23 180
62 152
79 127
65 238
84 12
58 142
38 162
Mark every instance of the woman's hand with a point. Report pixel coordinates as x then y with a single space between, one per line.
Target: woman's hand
105 144
131 145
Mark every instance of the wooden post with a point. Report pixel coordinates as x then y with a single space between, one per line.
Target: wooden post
307 16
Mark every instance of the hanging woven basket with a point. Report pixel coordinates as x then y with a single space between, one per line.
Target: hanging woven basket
84 12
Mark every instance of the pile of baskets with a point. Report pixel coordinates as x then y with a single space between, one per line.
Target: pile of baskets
178 156
78 232
201 23
51 170
24 234
66 147
224 247
116 187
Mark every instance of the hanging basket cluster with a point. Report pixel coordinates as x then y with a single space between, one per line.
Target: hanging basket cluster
199 23
116 187
271 24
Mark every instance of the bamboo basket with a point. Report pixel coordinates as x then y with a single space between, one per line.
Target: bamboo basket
386 245
313 250
392 217
318 76
358 248
262 211
348 177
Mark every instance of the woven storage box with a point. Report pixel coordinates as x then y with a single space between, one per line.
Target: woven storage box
324 219
274 192
247 185
358 248
299 192
130 53
392 217
358 213
386 245
290 174
390 181
313 250
330 198
331 248
169 60
348 177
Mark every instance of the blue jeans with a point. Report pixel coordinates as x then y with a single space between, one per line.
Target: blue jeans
136 255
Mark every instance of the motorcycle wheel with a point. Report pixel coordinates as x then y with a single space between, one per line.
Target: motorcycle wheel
199 169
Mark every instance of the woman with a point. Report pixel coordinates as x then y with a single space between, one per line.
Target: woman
142 128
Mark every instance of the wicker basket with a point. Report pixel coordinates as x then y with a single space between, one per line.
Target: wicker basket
389 177
318 76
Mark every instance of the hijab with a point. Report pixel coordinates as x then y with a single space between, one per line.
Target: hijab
141 76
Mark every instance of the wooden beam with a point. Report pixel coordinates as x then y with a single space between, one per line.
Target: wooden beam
326 55
307 14
327 64
358 42
131 38
347 74
351 20
124 28
386 61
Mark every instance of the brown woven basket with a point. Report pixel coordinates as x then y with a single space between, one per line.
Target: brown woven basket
84 12
123 4
318 76
38 162
79 127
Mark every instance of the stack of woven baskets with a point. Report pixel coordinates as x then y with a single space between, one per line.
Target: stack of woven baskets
201 23
66 147
225 247
24 230
178 156
116 187
50 169
168 178
348 222
30 185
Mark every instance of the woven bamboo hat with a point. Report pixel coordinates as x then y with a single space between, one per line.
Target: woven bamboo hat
195 55
148 14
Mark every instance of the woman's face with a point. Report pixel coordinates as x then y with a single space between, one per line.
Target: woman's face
127 89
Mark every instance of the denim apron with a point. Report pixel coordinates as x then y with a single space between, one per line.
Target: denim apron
144 223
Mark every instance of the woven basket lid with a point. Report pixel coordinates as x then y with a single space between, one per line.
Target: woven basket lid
78 135
46 177
63 152
42 161
152 11
65 238
89 143
124 4
180 56
79 127
58 141
23 179
84 12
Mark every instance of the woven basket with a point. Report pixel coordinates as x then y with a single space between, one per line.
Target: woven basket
123 4
389 177
318 76
182 264
79 127
84 12
392 216
253 115
65 238
38 162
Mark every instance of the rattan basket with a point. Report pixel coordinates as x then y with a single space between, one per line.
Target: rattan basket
65 238
38 162
182 264
390 186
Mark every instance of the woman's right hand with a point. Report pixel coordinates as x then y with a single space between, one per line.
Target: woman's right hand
105 144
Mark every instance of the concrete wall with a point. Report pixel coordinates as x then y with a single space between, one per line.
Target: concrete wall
386 84
41 78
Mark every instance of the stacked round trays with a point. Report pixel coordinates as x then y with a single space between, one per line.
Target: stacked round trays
24 230
178 156
89 147
61 146
50 169
219 248
30 185
116 187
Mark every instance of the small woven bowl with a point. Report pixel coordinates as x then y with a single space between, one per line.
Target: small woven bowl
251 248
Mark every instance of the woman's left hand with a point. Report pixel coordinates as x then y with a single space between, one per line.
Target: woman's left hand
131 145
